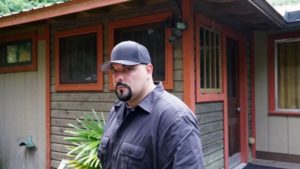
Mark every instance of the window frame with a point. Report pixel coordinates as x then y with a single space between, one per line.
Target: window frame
139 21
75 32
272 72
203 21
26 67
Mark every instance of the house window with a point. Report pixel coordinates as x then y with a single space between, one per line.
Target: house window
18 54
288 75
78 55
153 38
284 74
150 31
209 61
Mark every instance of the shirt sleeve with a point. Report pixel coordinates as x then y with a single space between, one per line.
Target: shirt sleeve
180 144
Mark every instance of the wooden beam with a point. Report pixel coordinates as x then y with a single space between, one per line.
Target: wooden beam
188 55
73 6
133 4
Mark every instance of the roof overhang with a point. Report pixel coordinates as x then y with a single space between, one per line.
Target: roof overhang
247 14
55 11
269 13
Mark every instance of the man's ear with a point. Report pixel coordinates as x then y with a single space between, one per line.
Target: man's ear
149 69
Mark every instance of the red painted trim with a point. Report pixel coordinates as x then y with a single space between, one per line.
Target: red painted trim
48 99
242 90
286 113
83 87
225 101
243 100
168 83
253 107
188 55
271 74
143 20
202 20
21 68
226 130
227 32
54 11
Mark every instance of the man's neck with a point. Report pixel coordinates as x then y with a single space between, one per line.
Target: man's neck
135 101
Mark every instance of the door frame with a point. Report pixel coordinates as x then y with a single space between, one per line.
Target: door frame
225 32
243 89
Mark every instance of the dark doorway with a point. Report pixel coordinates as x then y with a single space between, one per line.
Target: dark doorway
233 102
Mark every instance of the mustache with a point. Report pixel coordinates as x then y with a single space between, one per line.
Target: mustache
121 84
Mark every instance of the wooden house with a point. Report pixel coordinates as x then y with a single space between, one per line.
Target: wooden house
235 63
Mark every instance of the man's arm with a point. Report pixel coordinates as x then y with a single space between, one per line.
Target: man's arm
181 145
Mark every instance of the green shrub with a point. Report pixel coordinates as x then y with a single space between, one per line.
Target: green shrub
85 138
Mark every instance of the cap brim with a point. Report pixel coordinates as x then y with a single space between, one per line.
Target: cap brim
106 66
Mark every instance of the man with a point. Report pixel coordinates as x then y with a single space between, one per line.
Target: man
147 128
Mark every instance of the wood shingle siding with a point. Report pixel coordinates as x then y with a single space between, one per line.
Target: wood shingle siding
210 121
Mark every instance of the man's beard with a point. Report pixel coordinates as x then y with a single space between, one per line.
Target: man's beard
121 93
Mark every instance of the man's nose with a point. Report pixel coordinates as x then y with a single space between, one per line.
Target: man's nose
119 76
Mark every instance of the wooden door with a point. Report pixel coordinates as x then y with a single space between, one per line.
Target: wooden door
233 102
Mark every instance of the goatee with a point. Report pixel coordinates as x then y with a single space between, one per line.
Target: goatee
121 94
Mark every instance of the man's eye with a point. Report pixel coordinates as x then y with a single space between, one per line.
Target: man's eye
127 69
132 67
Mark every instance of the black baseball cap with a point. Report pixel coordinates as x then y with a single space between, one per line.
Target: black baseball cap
127 53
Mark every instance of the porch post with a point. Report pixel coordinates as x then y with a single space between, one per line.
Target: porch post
188 55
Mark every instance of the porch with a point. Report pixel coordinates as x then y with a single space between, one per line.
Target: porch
270 163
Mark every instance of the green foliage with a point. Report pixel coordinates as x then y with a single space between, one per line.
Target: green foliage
283 2
85 139
14 6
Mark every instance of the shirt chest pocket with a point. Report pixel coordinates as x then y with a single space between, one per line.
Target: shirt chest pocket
132 156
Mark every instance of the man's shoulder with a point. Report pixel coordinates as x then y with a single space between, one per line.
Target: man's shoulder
171 108
171 101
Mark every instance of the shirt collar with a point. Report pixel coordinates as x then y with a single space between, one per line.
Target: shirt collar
148 102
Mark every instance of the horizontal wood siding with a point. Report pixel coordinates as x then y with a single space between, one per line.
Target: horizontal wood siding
65 106
210 121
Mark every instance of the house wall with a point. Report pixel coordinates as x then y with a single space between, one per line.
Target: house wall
277 134
22 112
210 119
215 154
67 105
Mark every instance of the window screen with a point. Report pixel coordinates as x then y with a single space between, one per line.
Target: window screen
78 59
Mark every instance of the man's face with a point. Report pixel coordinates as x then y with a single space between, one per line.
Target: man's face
129 81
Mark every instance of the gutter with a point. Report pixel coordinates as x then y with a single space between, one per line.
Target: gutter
69 7
270 13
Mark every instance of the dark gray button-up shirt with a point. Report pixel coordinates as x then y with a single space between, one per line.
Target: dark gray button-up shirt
160 133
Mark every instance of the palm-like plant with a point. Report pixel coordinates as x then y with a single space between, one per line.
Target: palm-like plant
85 139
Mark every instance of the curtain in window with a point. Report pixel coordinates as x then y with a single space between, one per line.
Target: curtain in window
288 75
